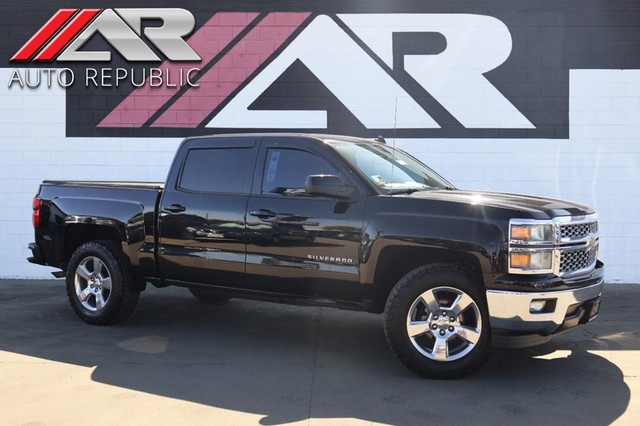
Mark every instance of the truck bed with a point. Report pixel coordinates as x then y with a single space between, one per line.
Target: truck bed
127 208
107 184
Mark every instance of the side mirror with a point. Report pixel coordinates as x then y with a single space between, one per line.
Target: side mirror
328 186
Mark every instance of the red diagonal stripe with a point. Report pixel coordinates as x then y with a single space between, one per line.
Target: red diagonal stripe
43 35
54 47
208 42
231 70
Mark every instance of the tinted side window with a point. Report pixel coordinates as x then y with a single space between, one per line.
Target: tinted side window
222 170
287 170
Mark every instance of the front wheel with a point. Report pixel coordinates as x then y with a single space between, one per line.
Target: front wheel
99 286
436 322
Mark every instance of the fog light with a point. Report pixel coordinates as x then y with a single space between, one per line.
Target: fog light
537 306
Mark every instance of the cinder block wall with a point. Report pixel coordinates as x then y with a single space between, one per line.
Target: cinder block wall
598 165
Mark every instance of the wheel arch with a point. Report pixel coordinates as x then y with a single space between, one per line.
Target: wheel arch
394 262
77 234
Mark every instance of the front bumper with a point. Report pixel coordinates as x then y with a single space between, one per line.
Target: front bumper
515 324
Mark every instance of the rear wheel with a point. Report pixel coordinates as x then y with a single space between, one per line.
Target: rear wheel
436 322
99 286
209 296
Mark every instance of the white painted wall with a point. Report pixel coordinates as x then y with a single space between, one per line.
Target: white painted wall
598 165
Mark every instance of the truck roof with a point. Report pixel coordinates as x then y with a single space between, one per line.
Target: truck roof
320 137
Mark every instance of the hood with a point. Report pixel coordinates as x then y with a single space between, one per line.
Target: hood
536 207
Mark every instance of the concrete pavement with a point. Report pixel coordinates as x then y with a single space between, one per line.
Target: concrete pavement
177 360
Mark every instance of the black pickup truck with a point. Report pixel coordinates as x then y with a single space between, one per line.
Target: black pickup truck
330 221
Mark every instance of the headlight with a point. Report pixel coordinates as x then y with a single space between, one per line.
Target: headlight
532 233
531 261
531 246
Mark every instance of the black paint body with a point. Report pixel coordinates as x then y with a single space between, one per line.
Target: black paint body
310 250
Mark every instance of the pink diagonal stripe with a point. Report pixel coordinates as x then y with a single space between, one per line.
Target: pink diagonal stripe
208 41
231 70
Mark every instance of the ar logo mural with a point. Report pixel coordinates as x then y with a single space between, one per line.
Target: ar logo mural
352 55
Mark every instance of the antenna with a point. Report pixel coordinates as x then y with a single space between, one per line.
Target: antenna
395 121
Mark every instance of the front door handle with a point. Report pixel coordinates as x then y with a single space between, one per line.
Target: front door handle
175 208
263 214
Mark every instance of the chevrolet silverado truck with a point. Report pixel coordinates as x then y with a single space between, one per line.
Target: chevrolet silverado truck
330 221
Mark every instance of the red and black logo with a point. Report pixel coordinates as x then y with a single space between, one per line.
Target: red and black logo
62 36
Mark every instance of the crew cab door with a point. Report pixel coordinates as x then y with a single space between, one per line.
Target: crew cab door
202 229
297 243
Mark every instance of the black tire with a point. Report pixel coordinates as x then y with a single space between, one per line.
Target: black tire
121 297
209 296
406 305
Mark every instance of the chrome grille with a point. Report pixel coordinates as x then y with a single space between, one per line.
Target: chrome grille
574 260
578 230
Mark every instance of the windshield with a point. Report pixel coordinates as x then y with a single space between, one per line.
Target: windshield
390 169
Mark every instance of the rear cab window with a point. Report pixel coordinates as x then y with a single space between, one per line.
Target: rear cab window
217 170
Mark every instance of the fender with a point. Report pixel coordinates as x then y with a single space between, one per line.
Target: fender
125 217
461 236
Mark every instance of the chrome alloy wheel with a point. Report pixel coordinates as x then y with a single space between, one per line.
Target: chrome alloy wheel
92 283
444 324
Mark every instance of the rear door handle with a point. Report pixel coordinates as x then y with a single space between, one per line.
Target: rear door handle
263 214
175 208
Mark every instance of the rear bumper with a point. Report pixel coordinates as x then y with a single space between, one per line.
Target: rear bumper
515 324
36 254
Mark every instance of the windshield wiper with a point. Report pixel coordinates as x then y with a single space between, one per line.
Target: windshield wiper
397 191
